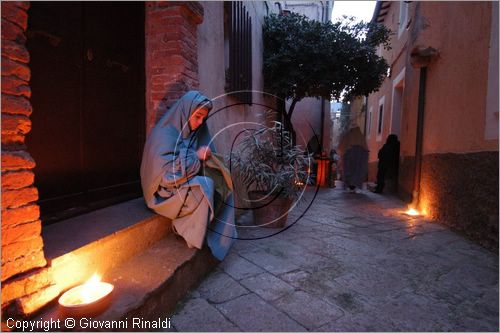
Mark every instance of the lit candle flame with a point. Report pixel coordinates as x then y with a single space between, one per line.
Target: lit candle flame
412 212
86 293
90 288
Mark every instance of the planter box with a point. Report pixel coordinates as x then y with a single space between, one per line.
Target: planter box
270 211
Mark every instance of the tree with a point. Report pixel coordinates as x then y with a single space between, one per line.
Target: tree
308 58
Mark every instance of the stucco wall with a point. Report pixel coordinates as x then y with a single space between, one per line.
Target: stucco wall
227 120
211 49
306 121
397 58
317 10
457 81
212 73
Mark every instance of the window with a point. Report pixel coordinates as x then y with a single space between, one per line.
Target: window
398 85
403 17
380 118
369 125
238 50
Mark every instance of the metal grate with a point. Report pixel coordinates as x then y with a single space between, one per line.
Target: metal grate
240 51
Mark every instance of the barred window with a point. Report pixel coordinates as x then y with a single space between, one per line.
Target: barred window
238 50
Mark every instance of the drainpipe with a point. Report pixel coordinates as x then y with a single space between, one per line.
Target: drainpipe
420 58
324 12
322 122
420 136
366 115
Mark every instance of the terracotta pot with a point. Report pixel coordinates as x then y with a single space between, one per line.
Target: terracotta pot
270 211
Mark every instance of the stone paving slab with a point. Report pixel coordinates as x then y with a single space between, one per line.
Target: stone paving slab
267 286
238 267
220 287
360 322
410 312
197 315
251 313
354 262
269 260
309 311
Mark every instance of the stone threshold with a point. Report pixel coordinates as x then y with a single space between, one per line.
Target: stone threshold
131 247
98 241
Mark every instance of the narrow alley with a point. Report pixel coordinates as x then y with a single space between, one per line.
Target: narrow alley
353 262
140 140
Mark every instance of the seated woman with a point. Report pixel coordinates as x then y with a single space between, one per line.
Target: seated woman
183 179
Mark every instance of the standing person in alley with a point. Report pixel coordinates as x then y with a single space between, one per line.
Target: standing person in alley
354 158
183 179
388 162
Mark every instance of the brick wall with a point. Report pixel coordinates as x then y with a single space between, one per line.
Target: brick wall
22 244
171 54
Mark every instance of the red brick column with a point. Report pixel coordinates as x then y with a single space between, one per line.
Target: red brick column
22 244
171 54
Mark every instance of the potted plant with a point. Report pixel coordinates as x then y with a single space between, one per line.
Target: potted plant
273 170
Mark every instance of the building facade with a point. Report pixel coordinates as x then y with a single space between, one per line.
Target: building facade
82 86
441 99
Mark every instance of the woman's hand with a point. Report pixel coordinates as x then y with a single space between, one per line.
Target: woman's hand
204 153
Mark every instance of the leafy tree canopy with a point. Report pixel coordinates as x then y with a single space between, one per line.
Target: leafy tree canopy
308 58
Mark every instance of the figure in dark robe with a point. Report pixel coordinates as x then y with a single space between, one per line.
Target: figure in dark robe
354 158
388 162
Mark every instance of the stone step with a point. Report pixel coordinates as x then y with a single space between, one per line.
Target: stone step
146 287
99 241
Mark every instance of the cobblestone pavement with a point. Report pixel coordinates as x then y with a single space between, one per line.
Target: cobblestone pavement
353 262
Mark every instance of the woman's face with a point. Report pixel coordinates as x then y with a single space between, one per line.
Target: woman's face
197 118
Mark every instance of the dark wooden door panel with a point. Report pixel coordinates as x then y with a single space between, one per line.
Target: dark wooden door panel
87 62
114 92
55 45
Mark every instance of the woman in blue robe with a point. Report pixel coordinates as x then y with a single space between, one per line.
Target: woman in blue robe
183 179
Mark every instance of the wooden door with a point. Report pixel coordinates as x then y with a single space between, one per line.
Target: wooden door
87 63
